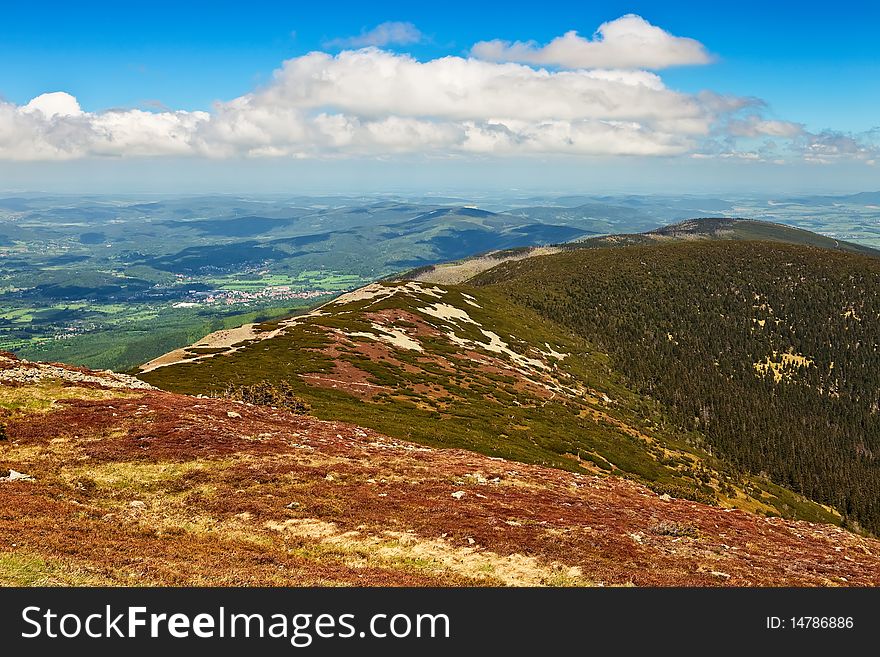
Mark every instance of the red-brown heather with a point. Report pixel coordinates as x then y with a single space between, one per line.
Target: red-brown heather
143 487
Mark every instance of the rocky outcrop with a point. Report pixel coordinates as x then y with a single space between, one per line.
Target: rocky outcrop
15 370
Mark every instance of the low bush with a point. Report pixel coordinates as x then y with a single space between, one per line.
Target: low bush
264 393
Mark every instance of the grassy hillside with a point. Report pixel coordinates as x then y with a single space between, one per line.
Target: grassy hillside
102 483
695 359
459 367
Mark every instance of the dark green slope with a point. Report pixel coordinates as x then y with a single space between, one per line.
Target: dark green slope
769 350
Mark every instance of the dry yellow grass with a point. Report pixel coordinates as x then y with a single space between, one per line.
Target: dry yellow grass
782 365
459 272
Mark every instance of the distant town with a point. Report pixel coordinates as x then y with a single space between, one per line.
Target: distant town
231 297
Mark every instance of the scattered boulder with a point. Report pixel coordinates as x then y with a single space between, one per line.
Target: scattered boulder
458 494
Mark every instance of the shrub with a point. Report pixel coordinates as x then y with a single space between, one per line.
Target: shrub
684 492
670 528
265 393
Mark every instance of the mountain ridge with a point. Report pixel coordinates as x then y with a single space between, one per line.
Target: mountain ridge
403 357
706 228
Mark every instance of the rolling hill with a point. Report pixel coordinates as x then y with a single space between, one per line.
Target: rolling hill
153 276
767 350
156 273
608 360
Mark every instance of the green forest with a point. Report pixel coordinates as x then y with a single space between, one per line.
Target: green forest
769 351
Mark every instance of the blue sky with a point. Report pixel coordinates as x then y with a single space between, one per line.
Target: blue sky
814 65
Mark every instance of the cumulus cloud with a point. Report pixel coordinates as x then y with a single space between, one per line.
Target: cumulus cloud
358 101
53 104
371 102
53 127
628 42
372 82
384 34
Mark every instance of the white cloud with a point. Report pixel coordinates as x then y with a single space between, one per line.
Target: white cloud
831 146
372 102
385 34
53 104
375 83
628 42
53 127
755 126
